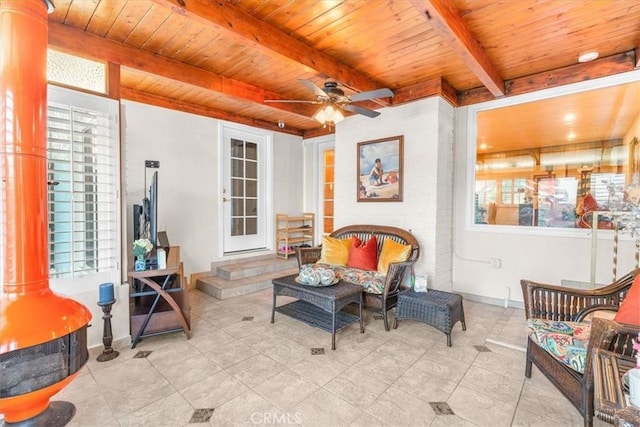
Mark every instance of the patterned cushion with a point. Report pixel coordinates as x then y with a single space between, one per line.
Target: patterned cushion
566 341
370 280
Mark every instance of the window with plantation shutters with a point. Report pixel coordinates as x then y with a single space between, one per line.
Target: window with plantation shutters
82 159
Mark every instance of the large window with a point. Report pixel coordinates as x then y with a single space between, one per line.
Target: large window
552 162
82 159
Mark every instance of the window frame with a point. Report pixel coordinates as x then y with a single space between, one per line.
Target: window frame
471 152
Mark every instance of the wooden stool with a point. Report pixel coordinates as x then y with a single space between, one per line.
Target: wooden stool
435 308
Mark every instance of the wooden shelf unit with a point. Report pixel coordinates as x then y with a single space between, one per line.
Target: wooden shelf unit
158 301
293 231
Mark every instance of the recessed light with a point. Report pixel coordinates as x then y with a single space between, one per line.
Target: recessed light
587 56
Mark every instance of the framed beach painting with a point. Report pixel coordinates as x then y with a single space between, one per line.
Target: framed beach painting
380 170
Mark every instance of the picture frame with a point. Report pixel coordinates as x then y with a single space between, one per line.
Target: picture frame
380 170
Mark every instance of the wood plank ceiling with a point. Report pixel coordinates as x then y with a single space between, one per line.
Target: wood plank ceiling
225 58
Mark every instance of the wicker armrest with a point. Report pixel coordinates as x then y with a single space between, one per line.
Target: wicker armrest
611 336
395 276
562 303
308 255
582 314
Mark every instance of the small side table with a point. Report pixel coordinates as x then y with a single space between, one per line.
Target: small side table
610 402
436 308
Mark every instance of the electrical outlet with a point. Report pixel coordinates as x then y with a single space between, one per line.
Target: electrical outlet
494 262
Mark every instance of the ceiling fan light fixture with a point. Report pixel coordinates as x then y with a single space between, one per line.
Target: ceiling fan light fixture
329 114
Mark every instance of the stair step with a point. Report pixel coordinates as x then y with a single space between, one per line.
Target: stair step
221 288
255 268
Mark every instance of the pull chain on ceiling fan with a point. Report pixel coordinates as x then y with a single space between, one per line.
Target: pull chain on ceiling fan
333 100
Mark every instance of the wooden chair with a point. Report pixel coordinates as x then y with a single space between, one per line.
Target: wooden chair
560 303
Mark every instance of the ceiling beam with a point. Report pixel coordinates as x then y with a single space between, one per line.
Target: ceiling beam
602 67
426 89
223 16
321 131
174 104
447 22
88 45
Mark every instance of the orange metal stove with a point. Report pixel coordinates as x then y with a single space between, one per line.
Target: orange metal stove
42 335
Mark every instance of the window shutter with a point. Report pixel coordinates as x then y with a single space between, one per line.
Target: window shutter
82 192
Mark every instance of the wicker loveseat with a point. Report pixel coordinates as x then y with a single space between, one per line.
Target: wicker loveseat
563 310
387 297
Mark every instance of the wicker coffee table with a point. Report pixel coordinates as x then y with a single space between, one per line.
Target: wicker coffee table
320 307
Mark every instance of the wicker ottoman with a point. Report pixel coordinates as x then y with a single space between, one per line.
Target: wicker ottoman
436 308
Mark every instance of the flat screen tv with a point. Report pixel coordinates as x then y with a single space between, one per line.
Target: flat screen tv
153 210
145 223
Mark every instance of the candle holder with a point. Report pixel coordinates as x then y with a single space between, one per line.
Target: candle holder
107 336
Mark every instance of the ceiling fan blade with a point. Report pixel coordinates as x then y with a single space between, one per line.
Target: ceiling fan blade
298 101
360 110
372 94
313 87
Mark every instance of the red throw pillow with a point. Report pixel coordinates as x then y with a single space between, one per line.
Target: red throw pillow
363 256
629 311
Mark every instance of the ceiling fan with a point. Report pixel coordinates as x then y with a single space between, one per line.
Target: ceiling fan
333 99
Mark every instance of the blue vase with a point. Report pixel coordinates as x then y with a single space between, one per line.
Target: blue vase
140 264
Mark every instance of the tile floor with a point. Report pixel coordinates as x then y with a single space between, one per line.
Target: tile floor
237 369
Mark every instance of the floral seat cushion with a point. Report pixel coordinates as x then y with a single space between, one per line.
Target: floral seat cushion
370 280
565 341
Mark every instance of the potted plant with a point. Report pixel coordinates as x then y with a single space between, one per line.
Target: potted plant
141 247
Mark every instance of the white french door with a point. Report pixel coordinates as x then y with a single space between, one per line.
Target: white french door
246 188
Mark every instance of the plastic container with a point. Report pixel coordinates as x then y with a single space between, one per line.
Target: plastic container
162 259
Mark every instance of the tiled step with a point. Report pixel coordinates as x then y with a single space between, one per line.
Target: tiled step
243 270
221 288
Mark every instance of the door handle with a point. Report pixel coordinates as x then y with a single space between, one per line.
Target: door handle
224 199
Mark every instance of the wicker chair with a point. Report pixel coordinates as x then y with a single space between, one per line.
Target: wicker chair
384 302
568 304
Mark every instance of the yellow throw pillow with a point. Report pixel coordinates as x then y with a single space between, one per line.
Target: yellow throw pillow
392 251
335 251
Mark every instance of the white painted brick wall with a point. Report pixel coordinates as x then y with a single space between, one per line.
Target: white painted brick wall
426 208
